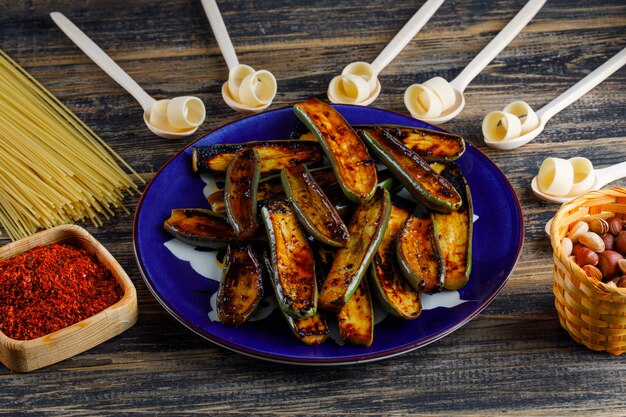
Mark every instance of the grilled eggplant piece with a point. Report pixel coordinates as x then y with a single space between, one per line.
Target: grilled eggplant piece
310 330
392 289
430 145
419 255
315 211
455 231
293 263
356 318
200 227
366 230
413 172
274 154
240 192
271 188
241 287
353 166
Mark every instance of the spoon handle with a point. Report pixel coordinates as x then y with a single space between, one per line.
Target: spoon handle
98 56
583 86
610 174
408 32
497 44
220 32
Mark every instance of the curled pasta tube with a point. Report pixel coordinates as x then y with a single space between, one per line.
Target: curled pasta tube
430 99
251 88
556 177
356 84
422 101
527 116
584 177
499 125
178 114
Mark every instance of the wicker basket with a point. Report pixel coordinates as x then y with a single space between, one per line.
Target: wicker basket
592 312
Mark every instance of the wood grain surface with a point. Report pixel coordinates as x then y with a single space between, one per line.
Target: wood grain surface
514 357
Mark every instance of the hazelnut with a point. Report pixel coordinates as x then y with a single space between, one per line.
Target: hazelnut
577 230
620 243
622 282
607 263
598 226
592 240
609 241
593 272
615 225
622 266
586 256
567 246
577 247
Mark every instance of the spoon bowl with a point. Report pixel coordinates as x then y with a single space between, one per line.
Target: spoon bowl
167 134
449 114
240 107
514 143
334 98
602 177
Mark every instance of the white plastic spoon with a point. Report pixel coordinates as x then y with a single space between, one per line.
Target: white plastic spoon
170 119
437 101
507 129
358 82
246 90
600 178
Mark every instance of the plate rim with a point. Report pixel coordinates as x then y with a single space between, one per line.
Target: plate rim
355 359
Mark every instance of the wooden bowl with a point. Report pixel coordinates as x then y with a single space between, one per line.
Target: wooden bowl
28 355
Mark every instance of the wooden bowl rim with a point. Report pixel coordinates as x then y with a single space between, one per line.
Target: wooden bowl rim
122 278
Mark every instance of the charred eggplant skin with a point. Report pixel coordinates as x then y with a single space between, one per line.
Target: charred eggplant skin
419 254
353 166
356 318
413 172
240 192
455 233
315 211
310 330
430 145
200 227
274 154
393 291
271 188
366 230
241 286
293 262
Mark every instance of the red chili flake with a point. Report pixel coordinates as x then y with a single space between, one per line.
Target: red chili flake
51 287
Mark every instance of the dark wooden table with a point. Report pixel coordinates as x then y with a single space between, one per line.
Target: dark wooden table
514 357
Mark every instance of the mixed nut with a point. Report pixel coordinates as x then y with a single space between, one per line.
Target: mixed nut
599 247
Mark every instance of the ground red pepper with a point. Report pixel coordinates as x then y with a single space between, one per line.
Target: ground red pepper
51 287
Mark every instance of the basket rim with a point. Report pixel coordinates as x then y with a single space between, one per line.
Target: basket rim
584 200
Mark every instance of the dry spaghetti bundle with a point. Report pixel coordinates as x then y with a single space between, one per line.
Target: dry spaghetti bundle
53 168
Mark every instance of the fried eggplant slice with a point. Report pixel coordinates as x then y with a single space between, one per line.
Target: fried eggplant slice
274 154
293 263
315 211
413 172
394 292
353 166
366 230
310 330
241 286
419 255
200 227
356 318
455 232
240 192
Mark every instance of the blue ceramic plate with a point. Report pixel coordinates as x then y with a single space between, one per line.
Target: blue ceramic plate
184 279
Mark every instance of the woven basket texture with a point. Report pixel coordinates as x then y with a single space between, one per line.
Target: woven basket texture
592 312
